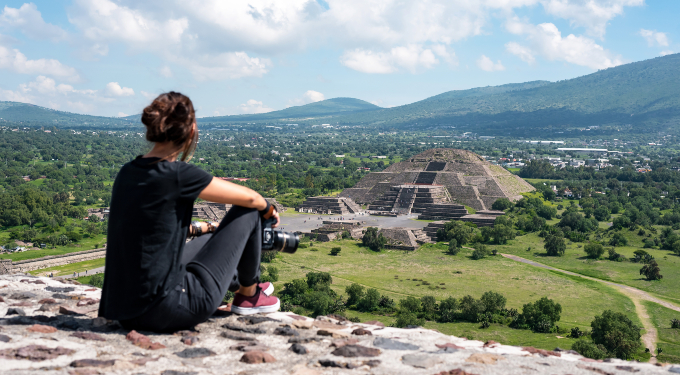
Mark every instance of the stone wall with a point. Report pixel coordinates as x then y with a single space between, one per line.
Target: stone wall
53 261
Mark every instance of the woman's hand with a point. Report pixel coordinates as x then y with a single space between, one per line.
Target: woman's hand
275 215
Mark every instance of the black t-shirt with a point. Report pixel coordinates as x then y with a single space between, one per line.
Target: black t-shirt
151 206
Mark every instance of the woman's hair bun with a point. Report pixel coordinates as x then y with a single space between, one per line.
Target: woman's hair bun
170 117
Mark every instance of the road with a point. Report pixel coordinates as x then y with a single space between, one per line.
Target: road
650 337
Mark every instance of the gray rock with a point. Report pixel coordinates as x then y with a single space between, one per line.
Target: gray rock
253 319
15 311
303 340
674 369
195 353
235 327
356 351
56 289
420 360
5 338
298 349
173 372
286 331
237 336
23 295
389 344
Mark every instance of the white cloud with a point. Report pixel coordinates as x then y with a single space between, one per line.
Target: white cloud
228 65
29 20
15 61
654 37
666 53
148 95
546 39
165 71
114 89
253 106
520 51
310 96
121 114
488 65
593 15
413 58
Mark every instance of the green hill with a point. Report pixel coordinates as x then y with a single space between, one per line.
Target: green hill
31 115
324 108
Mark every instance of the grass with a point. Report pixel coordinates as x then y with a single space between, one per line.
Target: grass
85 244
69 269
669 338
520 284
626 273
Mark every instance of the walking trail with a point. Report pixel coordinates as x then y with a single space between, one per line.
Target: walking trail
636 295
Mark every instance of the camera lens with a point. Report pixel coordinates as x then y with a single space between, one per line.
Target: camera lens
286 242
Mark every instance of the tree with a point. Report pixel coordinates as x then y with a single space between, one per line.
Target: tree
618 239
539 316
594 250
501 204
374 240
548 195
480 252
493 302
447 310
335 251
369 302
453 247
651 271
554 244
602 213
354 293
616 333
457 230
428 306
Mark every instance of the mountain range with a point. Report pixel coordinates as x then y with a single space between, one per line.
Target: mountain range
636 97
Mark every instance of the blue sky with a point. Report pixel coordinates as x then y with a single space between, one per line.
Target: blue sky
111 57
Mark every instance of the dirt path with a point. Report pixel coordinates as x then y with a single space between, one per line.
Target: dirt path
636 295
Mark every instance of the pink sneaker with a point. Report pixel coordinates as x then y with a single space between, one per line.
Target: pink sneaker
259 303
267 288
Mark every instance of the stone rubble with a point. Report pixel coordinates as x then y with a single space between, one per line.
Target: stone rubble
72 340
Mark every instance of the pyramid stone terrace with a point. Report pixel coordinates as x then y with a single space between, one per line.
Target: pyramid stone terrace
404 238
332 230
467 178
330 205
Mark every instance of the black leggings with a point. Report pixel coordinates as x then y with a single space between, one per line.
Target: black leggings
212 264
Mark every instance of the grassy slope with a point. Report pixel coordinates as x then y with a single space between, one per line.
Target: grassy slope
520 283
621 272
669 338
85 244
69 269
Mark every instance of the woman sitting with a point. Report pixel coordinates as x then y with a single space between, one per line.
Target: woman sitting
155 282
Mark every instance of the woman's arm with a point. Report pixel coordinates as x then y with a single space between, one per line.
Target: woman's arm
221 191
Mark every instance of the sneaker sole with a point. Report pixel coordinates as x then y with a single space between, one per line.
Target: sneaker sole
256 310
269 290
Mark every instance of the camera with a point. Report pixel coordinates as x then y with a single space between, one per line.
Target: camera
278 240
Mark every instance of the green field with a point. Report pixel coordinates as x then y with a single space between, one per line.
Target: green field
627 273
69 269
84 244
519 283
669 338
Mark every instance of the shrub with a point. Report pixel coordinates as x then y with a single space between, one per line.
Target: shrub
457 230
303 245
651 271
386 303
616 333
406 318
618 239
493 302
594 250
97 280
335 251
554 244
613 255
501 204
354 293
447 310
267 256
675 323
539 316
470 308
480 252
589 350
346 234
271 276
411 304
319 280
648 244
453 247
576 333
428 306
369 302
